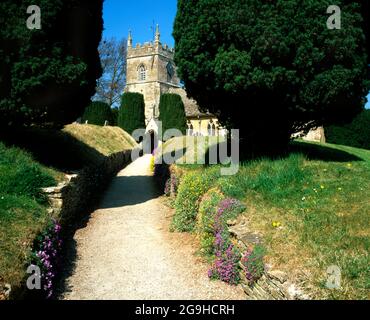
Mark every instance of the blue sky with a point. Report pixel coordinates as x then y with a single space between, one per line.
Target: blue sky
138 15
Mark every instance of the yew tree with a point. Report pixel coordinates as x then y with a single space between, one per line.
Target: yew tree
272 68
48 74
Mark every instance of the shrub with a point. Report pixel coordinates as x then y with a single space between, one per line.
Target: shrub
152 165
206 219
172 112
252 262
355 134
132 112
191 189
226 266
97 113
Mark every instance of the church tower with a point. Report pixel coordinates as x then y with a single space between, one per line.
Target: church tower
150 71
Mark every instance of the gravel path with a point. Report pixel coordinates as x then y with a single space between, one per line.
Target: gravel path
126 251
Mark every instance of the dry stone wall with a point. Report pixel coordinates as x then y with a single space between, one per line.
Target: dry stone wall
274 284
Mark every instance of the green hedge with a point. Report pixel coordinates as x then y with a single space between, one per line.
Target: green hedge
172 112
356 134
132 112
97 113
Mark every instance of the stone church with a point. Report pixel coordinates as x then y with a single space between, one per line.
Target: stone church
152 72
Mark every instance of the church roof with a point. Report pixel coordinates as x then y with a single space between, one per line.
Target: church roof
191 106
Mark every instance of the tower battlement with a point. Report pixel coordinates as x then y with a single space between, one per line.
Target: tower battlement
149 48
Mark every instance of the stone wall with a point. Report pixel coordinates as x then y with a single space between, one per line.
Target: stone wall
274 284
77 197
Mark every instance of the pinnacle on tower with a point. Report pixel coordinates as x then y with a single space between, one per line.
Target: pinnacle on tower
157 34
129 39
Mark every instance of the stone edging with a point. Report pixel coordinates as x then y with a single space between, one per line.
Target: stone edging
274 284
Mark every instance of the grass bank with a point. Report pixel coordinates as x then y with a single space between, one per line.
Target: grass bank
41 159
312 209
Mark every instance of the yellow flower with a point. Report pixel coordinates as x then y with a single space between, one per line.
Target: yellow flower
276 224
349 165
339 189
322 187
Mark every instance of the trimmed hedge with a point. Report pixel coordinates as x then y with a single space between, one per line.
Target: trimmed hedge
97 113
131 114
356 134
172 112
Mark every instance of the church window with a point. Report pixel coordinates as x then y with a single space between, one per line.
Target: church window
170 71
141 73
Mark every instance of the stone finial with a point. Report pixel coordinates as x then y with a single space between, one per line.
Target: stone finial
129 39
157 34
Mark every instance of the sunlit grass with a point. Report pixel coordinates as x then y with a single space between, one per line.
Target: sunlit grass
312 207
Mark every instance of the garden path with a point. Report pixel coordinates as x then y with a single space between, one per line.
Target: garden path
127 252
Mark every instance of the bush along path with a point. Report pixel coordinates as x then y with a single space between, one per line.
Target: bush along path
127 252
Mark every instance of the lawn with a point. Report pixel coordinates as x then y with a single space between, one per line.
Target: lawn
312 208
23 209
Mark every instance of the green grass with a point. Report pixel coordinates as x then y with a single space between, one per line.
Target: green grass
321 196
23 209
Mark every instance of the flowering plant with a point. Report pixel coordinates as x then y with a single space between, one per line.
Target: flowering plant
171 185
252 262
46 255
226 264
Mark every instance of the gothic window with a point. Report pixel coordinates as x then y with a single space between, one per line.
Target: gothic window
141 73
170 71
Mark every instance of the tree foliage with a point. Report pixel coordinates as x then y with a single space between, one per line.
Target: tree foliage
354 134
97 112
272 68
113 61
172 112
131 113
49 75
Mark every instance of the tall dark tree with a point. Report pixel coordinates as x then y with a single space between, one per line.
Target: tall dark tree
98 112
271 68
131 114
172 112
48 75
113 60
